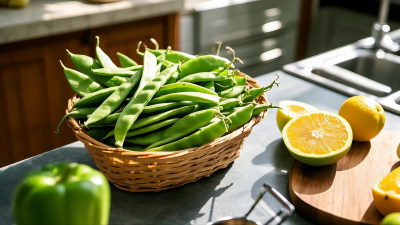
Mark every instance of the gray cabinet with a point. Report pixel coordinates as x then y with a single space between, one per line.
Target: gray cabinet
263 33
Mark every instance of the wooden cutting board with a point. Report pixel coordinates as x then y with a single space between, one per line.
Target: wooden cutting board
342 193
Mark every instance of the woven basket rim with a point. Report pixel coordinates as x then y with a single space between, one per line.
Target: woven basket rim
74 125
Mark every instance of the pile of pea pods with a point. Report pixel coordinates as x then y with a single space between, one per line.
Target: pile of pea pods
173 101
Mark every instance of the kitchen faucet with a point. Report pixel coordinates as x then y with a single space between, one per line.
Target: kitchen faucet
380 30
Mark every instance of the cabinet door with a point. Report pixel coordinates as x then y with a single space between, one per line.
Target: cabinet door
34 95
125 37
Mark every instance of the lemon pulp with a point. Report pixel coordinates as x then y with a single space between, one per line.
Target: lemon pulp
318 137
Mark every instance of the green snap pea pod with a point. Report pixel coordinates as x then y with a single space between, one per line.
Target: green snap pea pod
151 127
94 97
84 64
240 80
149 71
258 108
232 92
162 107
103 58
132 68
182 87
98 133
252 94
172 79
240 116
81 113
230 102
169 55
183 127
227 111
154 119
200 137
135 106
125 61
203 63
144 121
225 84
81 83
110 72
202 76
114 100
208 85
103 61
108 121
187 96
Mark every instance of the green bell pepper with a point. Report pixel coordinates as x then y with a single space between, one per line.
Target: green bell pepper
65 193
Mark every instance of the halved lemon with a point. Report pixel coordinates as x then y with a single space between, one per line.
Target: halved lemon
386 193
289 109
318 138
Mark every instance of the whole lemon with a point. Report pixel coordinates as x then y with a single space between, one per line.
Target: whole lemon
391 219
365 116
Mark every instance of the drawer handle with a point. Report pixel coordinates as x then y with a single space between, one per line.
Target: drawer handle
271 54
271 26
272 12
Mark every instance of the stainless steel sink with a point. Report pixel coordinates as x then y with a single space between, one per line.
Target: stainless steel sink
356 69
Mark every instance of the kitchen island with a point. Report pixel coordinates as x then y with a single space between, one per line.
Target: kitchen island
227 192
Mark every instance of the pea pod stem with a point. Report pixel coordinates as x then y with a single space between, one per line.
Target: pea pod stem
252 93
259 108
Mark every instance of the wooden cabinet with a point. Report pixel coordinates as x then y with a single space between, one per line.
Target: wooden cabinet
33 89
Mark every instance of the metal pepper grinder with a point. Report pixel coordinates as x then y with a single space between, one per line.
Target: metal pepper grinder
380 30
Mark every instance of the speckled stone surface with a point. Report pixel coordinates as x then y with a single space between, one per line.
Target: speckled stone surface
227 192
49 17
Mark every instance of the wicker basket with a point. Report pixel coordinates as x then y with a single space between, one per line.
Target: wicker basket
156 171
